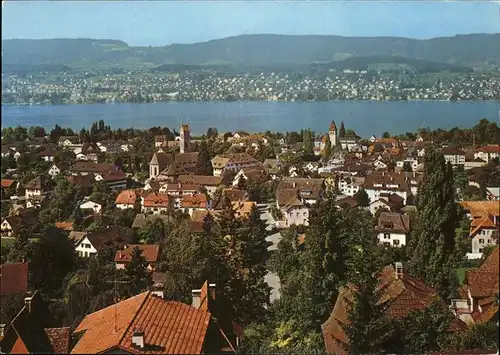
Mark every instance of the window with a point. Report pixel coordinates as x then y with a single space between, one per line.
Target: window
481 250
395 242
387 236
489 241
481 241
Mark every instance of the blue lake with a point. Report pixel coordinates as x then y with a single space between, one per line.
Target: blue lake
365 117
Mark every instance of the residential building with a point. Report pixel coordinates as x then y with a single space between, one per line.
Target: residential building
190 203
95 242
295 212
150 252
392 229
126 199
480 209
493 193
389 202
386 183
156 203
350 185
90 152
233 162
68 141
27 334
90 205
488 152
483 233
148 322
47 154
453 155
35 187
307 190
397 288
209 183
56 169
22 219
250 175
89 167
476 302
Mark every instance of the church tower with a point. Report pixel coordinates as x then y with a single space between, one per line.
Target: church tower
185 138
332 132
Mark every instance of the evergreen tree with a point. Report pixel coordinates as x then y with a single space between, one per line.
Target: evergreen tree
342 130
307 142
362 198
137 272
325 255
153 231
367 328
407 167
327 151
204 165
433 240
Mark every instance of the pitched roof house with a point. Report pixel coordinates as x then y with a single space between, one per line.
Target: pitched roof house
94 242
148 324
402 294
26 333
150 252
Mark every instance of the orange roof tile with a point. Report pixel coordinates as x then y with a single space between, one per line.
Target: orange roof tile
169 327
492 148
149 251
126 197
481 223
6 183
67 226
156 200
480 208
194 201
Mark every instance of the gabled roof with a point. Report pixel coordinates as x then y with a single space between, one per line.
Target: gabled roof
492 148
149 251
401 295
36 183
393 222
67 226
484 222
126 197
13 278
91 167
169 327
194 201
108 237
333 127
199 180
484 281
6 183
156 200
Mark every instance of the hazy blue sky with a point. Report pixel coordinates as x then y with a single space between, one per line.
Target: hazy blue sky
161 23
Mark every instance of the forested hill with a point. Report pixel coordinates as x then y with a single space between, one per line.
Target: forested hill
474 50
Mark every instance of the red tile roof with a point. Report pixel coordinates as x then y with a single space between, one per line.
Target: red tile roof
126 197
169 327
149 251
59 339
194 201
13 278
156 200
6 183
67 226
492 148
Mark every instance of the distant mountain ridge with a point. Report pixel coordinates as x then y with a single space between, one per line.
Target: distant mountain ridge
474 50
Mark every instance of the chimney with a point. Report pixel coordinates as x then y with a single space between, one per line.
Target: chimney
211 290
399 270
28 301
138 338
196 298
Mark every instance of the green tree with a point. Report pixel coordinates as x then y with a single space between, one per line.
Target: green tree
154 230
433 241
137 272
362 198
407 167
307 139
367 328
51 259
386 135
204 165
327 151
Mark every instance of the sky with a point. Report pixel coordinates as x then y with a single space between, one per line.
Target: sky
157 23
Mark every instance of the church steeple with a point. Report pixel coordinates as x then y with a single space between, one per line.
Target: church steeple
332 132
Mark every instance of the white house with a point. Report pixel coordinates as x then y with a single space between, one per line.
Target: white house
483 233
392 229
84 248
35 187
377 184
413 161
91 205
126 199
488 152
493 193
453 155
233 162
350 185
295 212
